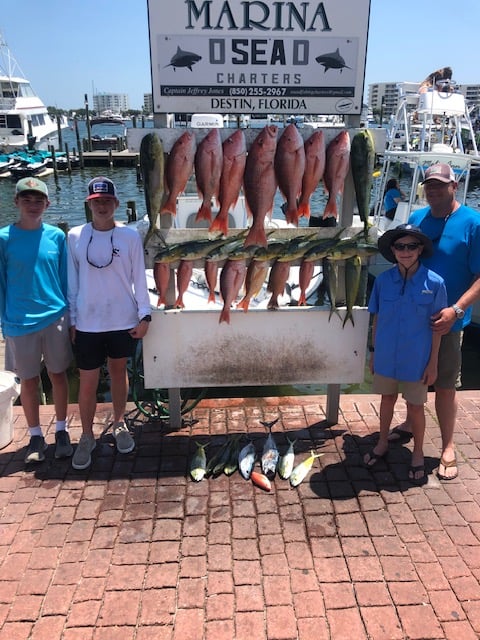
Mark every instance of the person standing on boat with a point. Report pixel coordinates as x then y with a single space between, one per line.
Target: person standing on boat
404 355
109 310
455 233
34 312
393 195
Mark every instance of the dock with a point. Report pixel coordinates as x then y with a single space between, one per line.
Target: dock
110 158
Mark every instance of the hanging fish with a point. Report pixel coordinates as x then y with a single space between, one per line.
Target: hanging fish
270 453
314 168
261 481
285 466
152 169
246 460
362 163
353 270
301 470
330 271
198 465
336 169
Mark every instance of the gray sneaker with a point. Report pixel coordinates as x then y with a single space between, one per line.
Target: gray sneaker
63 447
36 450
125 442
82 458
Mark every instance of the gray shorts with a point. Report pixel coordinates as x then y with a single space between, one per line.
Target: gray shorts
450 361
412 392
26 355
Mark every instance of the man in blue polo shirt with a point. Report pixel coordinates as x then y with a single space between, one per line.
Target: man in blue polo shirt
454 230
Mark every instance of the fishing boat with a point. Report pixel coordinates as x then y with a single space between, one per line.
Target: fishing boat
431 125
24 119
107 117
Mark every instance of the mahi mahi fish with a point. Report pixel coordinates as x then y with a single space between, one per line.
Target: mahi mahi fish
178 170
353 270
208 169
152 170
336 169
289 169
260 183
233 168
285 466
198 464
362 161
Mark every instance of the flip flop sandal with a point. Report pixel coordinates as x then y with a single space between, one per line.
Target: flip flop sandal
447 465
373 458
400 436
413 470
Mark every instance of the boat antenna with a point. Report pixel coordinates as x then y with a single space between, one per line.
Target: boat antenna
8 65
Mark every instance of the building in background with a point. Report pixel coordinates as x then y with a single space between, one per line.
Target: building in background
147 103
114 102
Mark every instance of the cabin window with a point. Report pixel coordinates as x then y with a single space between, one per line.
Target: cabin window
38 120
14 122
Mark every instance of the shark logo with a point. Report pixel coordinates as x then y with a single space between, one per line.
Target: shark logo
332 61
183 59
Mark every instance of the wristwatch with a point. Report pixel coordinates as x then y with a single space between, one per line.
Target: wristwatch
146 319
459 312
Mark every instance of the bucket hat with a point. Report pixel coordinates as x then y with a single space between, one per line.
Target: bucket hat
387 239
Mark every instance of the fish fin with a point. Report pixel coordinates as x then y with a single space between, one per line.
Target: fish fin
304 210
348 316
256 236
179 304
211 297
330 209
291 216
220 223
302 301
243 304
170 205
205 212
224 315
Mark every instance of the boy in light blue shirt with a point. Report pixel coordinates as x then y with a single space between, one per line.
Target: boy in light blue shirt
405 349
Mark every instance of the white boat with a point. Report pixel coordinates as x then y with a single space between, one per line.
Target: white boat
24 119
433 126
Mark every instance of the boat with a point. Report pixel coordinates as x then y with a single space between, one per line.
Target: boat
24 119
431 125
107 117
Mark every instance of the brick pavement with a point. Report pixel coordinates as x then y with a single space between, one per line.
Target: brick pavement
132 549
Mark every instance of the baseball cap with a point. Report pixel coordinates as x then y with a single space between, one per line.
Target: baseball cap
101 187
441 172
31 184
387 239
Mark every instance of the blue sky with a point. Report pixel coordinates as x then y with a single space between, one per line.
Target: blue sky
67 48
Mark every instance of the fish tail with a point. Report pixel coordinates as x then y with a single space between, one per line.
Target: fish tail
211 296
170 205
348 316
243 304
331 209
302 300
256 236
291 216
220 224
205 212
224 315
304 210
179 304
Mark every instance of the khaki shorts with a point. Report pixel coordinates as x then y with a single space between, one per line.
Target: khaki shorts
26 355
450 361
412 392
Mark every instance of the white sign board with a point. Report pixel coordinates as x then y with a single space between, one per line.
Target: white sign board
287 346
258 56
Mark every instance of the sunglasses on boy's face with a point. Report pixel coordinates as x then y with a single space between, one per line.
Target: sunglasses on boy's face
409 246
